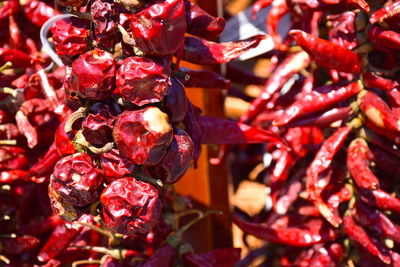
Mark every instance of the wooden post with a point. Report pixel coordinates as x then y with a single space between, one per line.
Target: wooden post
208 184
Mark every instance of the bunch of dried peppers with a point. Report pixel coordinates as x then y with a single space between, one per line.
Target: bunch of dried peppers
333 195
94 136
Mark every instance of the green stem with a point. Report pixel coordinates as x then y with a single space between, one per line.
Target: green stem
76 263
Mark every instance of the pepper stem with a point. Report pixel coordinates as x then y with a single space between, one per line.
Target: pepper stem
6 66
113 239
8 142
79 113
174 239
5 259
76 263
125 36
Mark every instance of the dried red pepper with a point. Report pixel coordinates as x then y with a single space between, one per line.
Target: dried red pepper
328 54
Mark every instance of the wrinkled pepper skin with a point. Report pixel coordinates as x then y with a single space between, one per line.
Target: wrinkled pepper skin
77 180
142 80
165 31
130 206
144 135
328 54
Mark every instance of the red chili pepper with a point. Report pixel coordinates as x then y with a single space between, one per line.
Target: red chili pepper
316 231
382 143
164 32
17 58
322 161
199 51
223 131
45 165
202 79
18 245
378 111
373 80
276 12
59 239
39 12
358 234
328 54
317 100
385 12
385 161
291 65
258 5
130 206
376 221
223 257
16 39
324 119
380 199
290 193
41 227
385 38
11 176
241 75
10 8
358 161
200 23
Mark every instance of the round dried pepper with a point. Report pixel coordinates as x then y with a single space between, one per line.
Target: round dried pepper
144 135
70 38
142 80
93 75
77 180
177 160
130 206
160 28
97 125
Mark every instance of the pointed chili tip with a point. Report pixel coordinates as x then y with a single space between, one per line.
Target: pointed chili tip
43 257
295 32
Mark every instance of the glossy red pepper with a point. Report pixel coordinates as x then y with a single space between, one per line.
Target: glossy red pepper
380 199
38 12
223 131
77 180
385 12
373 80
17 58
322 161
258 5
358 234
164 32
358 161
199 51
143 136
376 221
202 79
59 239
142 80
277 11
130 206
328 54
302 235
19 244
385 38
319 99
202 24
291 65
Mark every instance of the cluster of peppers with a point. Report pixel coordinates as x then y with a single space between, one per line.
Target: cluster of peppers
93 140
333 96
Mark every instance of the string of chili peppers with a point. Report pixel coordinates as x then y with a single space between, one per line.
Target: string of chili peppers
92 143
334 194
